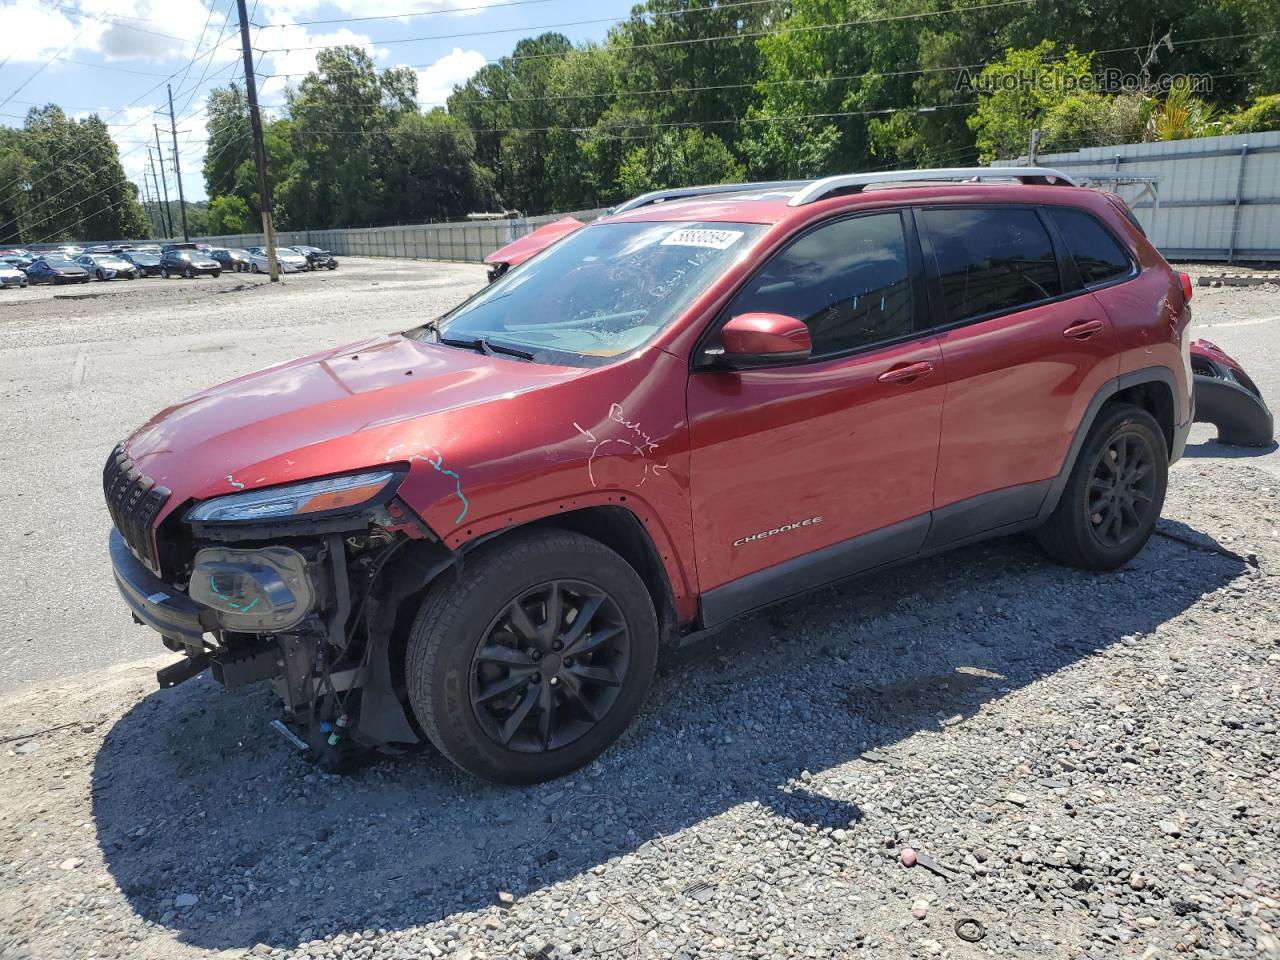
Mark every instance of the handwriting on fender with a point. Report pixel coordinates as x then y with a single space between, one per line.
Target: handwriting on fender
636 442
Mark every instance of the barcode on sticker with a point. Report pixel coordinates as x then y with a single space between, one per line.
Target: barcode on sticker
711 239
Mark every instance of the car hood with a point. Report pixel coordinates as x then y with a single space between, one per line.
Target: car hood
349 408
518 251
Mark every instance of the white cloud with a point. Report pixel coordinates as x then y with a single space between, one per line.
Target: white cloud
294 54
35 31
437 81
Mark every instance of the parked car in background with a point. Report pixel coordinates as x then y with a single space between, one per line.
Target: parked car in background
188 262
106 267
18 252
147 263
518 251
16 261
70 251
231 258
316 258
12 277
57 270
290 261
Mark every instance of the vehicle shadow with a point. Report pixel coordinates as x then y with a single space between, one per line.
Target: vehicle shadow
1227 451
193 795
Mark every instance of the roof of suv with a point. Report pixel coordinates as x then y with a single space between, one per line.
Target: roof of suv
773 203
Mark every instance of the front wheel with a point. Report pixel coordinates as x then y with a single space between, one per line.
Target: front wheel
1114 494
216 274
536 662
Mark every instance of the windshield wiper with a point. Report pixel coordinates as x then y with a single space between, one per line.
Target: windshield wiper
484 346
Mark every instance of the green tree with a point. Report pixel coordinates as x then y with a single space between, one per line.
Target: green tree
678 159
1018 93
229 214
1263 115
78 189
433 168
341 116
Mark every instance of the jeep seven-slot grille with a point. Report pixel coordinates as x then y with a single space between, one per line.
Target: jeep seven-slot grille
134 500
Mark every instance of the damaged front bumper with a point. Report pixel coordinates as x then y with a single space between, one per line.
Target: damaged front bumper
310 618
154 603
1228 398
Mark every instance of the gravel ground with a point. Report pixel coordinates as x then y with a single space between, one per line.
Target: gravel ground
1087 761
1085 765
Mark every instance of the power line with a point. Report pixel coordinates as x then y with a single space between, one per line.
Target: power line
112 19
637 18
401 16
745 35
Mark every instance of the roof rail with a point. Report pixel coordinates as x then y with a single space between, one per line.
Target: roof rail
681 193
855 182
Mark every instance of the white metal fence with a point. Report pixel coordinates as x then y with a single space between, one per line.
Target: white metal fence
1218 197
468 241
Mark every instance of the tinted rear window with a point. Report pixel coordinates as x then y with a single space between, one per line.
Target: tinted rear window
991 261
1097 254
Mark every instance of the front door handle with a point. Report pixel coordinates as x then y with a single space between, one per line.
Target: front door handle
1082 329
908 373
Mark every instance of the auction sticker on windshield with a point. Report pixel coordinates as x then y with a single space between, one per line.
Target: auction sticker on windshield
710 239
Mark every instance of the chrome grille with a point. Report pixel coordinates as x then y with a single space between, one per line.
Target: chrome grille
134 501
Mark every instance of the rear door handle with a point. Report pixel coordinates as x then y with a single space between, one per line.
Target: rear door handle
907 373
1083 329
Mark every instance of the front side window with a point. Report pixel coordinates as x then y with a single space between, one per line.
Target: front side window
1096 253
849 281
991 260
600 292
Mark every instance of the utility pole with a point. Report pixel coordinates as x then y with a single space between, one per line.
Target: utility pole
1033 151
177 170
146 202
164 181
259 151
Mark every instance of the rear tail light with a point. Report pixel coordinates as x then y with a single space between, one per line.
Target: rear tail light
1186 286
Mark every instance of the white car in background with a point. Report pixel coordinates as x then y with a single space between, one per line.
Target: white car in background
290 261
12 276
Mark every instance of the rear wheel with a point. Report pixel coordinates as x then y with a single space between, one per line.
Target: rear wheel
1114 495
537 662
254 268
164 272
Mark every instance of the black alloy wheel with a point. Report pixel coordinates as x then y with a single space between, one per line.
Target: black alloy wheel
1122 489
535 661
1114 493
550 666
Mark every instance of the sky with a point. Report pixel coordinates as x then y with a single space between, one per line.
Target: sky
116 58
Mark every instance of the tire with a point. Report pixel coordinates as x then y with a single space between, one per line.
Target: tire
164 272
1082 530
216 274
254 268
100 276
187 274
333 266
445 674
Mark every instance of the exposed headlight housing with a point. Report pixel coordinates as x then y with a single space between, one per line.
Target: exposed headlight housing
316 497
255 591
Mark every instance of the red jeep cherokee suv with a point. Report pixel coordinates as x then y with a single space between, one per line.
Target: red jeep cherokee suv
480 531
